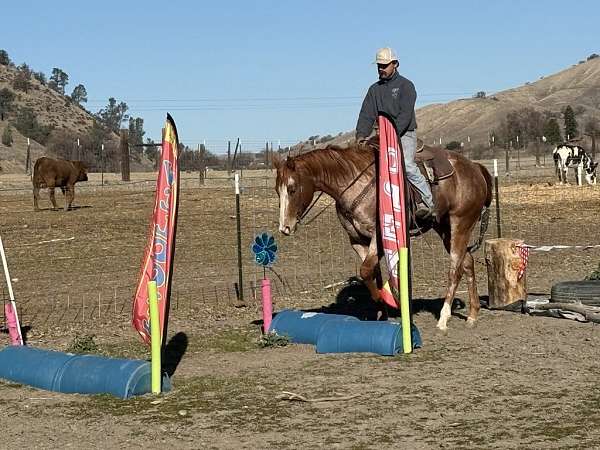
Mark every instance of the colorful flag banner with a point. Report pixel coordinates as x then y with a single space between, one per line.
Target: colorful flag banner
392 211
160 247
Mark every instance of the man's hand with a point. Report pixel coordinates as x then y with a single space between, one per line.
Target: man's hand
361 141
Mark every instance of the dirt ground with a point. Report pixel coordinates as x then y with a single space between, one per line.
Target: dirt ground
513 381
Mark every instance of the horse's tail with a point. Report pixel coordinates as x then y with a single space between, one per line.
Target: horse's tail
485 212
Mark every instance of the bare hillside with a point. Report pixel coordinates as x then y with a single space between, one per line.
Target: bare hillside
51 109
578 86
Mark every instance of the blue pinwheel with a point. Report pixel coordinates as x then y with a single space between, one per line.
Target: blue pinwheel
264 249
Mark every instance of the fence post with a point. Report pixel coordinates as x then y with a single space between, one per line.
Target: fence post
228 157
102 165
201 166
497 200
239 238
28 160
266 155
125 171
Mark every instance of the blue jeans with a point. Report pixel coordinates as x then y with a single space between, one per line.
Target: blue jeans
414 175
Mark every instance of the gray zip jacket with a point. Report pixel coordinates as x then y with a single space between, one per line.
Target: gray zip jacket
395 98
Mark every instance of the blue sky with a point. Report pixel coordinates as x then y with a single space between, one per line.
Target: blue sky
282 70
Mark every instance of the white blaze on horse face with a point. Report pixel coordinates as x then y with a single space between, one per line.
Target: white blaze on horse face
283 207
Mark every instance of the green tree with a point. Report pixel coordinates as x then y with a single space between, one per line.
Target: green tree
6 102
41 77
552 131
570 123
22 81
97 135
58 80
113 115
27 124
150 150
453 145
136 135
7 138
4 59
79 94
592 129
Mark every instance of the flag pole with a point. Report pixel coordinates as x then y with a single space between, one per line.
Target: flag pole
155 337
12 318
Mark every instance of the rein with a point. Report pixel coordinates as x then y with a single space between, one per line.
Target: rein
355 203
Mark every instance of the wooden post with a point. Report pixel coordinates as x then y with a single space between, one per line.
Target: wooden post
201 166
102 164
125 171
267 155
28 159
497 200
228 157
503 260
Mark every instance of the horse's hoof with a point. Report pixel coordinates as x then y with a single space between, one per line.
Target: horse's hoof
470 322
382 316
442 328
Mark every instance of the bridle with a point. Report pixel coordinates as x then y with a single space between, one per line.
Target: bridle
359 198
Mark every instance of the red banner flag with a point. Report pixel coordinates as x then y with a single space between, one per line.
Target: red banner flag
160 247
392 210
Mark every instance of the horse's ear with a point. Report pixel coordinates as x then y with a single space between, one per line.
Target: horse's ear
276 159
290 164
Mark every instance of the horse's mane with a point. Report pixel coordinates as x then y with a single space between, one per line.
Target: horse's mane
337 164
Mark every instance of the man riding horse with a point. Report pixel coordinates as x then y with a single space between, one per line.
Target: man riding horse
347 174
395 96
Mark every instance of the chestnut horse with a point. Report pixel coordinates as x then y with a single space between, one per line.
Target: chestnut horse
347 175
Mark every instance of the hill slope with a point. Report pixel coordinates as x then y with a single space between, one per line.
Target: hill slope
578 86
51 109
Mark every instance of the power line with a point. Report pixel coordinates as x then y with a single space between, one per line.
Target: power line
267 99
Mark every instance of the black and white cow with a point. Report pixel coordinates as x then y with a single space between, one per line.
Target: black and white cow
573 156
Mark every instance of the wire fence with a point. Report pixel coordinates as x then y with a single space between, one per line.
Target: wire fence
82 266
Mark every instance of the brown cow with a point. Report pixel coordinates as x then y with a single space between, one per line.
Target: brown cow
51 173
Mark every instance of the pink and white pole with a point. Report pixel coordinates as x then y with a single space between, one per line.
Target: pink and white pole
10 309
267 304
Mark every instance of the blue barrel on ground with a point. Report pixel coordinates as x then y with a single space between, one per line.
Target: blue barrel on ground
82 374
383 338
303 327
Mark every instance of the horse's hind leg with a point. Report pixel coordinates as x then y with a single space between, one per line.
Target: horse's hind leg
456 244
469 270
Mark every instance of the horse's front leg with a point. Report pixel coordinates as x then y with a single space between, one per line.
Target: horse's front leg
369 272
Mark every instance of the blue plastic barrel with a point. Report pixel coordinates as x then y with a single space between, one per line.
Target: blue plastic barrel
82 374
383 338
303 327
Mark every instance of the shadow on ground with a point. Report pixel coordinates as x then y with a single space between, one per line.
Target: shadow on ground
354 299
174 351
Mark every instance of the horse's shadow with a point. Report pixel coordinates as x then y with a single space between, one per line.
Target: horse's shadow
61 209
355 300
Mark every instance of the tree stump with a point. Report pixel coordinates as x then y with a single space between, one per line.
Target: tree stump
503 261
